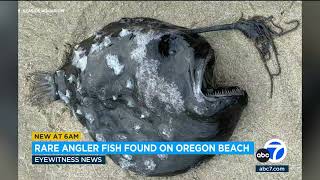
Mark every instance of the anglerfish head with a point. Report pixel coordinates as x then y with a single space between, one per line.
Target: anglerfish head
187 61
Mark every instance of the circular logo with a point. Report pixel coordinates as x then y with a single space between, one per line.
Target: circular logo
262 155
277 150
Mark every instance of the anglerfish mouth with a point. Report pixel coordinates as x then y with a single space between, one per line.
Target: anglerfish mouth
209 89
224 91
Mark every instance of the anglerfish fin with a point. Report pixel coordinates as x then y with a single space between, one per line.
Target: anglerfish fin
42 89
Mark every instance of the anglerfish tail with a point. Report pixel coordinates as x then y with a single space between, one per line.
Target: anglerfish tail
43 89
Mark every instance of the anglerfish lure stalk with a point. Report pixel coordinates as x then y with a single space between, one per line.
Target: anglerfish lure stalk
141 79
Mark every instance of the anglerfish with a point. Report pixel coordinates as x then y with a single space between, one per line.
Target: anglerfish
142 79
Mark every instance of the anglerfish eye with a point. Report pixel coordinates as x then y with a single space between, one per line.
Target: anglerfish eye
166 46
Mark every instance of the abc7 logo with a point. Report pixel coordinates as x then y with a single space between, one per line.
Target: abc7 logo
274 151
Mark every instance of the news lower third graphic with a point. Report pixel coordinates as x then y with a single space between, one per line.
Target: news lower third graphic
56 136
66 148
68 159
274 151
